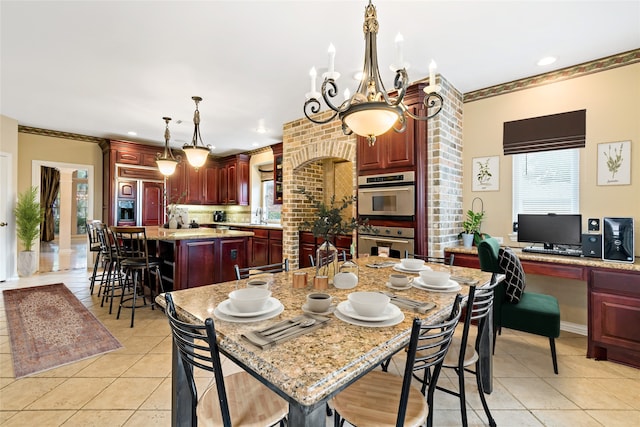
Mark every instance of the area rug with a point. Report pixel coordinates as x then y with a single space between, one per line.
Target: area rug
49 327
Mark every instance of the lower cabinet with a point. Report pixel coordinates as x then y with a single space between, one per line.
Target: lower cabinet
265 247
614 313
198 262
309 244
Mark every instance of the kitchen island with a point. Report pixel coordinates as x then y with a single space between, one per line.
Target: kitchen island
194 257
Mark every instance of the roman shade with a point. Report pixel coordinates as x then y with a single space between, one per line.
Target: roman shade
545 133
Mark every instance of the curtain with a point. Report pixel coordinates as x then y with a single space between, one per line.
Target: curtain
545 133
49 187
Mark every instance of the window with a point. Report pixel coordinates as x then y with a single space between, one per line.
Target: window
546 182
271 211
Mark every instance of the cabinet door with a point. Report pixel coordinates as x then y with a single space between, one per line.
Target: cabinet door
222 185
369 158
277 174
306 249
242 183
275 251
232 184
231 253
615 320
210 179
193 186
126 189
259 252
187 276
175 184
399 148
152 203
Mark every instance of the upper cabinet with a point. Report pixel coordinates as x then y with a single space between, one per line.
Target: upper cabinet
277 173
233 183
392 150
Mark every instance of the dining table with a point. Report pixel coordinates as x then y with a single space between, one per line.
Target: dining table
309 369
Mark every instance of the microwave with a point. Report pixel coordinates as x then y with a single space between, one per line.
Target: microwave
387 195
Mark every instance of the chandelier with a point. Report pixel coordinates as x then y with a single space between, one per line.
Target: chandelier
166 162
196 152
370 111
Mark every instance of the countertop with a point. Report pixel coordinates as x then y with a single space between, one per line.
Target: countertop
559 259
159 233
270 226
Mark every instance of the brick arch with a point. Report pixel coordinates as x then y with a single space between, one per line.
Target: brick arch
322 150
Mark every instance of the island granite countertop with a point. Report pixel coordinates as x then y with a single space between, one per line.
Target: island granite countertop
159 233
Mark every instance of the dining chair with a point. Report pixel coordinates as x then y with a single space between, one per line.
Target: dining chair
530 312
383 399
94 248
245 272
342 257
446 260
137 267
233 400
464 353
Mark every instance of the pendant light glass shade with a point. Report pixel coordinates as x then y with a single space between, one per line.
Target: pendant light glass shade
166 163
196 152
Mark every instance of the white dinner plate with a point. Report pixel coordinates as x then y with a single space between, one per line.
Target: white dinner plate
225 307
452 286
390 322
399 288
389 312
235 319
400 268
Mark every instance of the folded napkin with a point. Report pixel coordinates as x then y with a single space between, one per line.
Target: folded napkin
381 264
464 280
264 340
416 306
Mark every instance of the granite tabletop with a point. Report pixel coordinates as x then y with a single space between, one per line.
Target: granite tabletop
309 368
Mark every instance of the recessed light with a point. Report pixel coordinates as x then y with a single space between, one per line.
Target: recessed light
132 133
547 60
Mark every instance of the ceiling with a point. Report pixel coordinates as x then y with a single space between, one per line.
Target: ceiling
105 68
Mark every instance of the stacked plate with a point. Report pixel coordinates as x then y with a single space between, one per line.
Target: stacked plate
449 286
389 315
226 311
399 267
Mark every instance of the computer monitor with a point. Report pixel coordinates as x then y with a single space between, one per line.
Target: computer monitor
550 229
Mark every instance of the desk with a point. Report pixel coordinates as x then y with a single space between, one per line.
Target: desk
307 371
613 291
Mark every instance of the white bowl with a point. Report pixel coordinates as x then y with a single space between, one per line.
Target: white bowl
435 278
412 263
345 280
248 300
368 304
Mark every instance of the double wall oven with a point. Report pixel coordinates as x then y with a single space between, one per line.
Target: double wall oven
387 200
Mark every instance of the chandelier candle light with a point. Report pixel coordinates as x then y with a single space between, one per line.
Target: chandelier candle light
196 152
371 111
166 162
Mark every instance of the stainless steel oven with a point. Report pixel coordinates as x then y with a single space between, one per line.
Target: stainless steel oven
386 195
392 240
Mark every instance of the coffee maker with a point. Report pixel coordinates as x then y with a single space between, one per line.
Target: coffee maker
219 216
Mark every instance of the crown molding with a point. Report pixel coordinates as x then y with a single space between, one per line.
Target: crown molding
63 135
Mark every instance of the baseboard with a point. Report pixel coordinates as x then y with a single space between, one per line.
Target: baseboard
574 328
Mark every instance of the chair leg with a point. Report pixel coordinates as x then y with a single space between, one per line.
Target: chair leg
462 395
492 422
552 343
95 269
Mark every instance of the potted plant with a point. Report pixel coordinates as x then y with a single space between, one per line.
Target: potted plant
471 228
329 222
28 215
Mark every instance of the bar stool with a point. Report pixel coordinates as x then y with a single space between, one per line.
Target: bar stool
94 247
113 279
133 259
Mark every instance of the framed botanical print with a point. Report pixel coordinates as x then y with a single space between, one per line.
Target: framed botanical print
614 163
486 174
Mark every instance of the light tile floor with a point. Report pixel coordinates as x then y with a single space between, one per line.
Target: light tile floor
132 386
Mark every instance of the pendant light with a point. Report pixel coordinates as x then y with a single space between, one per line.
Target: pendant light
166 163
196 152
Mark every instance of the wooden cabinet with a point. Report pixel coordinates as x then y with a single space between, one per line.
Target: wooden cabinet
264 247
127 189
391 151
614 313
309 244
210 181
233 180
275 246
277 173
152 208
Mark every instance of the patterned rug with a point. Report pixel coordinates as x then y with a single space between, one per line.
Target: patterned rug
49 327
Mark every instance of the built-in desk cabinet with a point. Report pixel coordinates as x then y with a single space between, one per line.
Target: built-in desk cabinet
613 302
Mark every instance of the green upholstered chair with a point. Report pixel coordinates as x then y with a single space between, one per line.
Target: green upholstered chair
535 313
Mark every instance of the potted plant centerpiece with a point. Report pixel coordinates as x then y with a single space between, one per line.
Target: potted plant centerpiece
328 223
471 228
28 215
